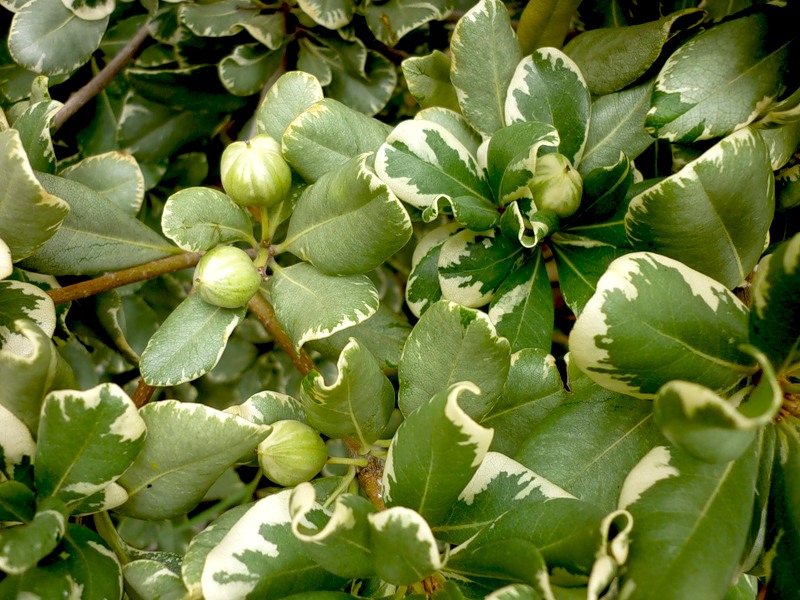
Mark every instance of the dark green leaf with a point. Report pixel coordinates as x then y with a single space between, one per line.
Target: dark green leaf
22 546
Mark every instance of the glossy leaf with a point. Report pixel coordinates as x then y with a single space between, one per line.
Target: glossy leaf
422 286
614 57
485 52
545 23
742 64
532 390
189 88
328 134
86 441
6 266
499 484
218 19
146 578
96 236
114 175
22 546
331 14
629 307
697 508
422 162
404 548
427 369
21 300
264 408
29 214
291 94
189 343
454 122
87 564
391 20
200 218
311 305
260 557
536 93
188 447
434 454
590 440
713 215
358 403
472 266
17 449
522 307
90 10
28 367
247 69
428 80
17 502
338 538
348 222
774 316
46 37
34 126
617 125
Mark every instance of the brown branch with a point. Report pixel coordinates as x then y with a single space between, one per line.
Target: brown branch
142 394
264 312
110 281
370 476
98 83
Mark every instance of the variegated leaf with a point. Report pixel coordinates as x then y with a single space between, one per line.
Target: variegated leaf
34 126
742 64
691 327
247 69
331 14
697 508
454 122
427 368
472 266
434 454
288 97
775 315
264 408
485 52
6 264
20 300
357 404
422 286
713 215
522 306
311 305
259 556
217 19
403 546
337 538
189 343
114 175
500 484
422 161
391 20
29 214
22 546
86 441
17 449
548 86
188 447
348 221
90 10
147 578
428 80
327 135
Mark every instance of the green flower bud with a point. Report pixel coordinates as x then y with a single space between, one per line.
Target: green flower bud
254 173
292 453
226 277
556 186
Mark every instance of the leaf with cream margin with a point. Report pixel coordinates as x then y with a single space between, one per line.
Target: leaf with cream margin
721 79
260 557
147 578
348 221
28 370
188 446
17 449
422 286
114 175
499 484
189 343
712 428
286 99
485 52
428 80
6 264
652 320
435 452
403 546
22 546
357 404
775 312
686 510
311 305
337 538
29 214
439 352
86 441
537 92
714 214
23 301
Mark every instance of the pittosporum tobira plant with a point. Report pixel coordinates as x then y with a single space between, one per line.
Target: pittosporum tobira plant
536 338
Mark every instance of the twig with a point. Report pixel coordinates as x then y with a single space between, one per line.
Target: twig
98 83
110 281
142 394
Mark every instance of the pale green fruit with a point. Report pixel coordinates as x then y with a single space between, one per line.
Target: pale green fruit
556 186
226 277
292 453
254 173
